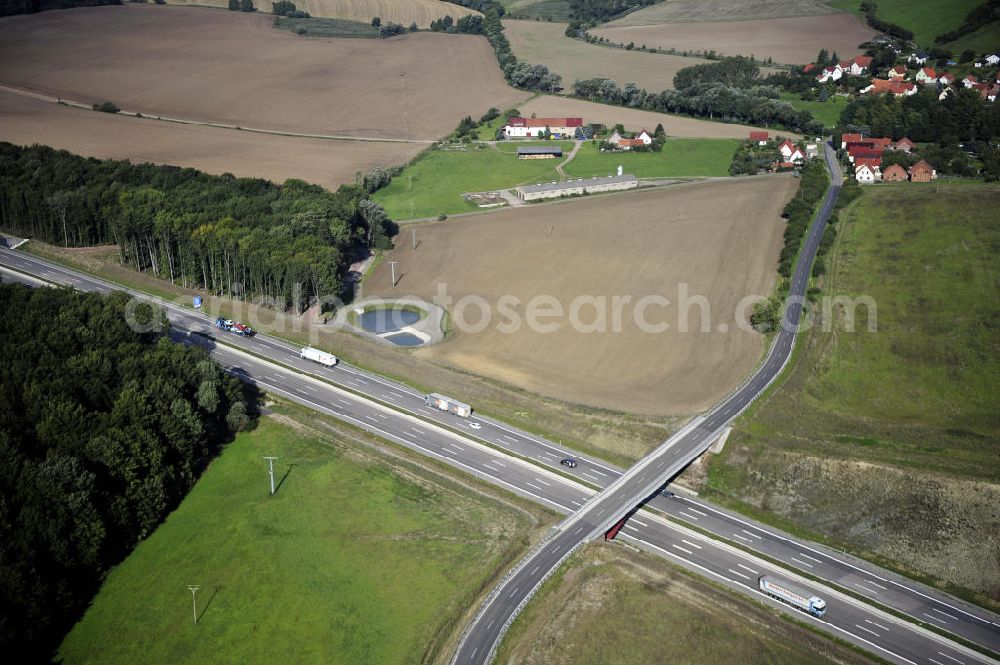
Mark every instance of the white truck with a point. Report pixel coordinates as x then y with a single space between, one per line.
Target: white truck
793 595
442 403
321 357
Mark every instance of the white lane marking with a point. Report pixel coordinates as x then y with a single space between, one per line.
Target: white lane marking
529 484
598 471
690 517
877 625
638 521
811 558
746 540
807 565
491 468
541 481
534 570
512 593
371 417
750 533
740 565
498 462
458 446
310 388
490 624
876 584
950 657
867 630
674 545
734 572
591 477
934 618
388 397
866 588
473 654
695 510
509 438
688 542
575 503
937 662
950 616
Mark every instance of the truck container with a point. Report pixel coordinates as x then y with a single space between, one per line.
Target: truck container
321 357
793 595
443 403
234 327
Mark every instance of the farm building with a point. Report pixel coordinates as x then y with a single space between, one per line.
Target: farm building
894 173
539 152
922 172
760 138
553 190
533 127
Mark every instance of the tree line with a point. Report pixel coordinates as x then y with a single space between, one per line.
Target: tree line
103 431
242 237
12 7
870 8
978 16
598 11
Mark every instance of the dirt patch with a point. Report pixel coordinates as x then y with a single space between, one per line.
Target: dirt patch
405 12
234 68
677 11
25 121
547 43
717 239
634 119
787 40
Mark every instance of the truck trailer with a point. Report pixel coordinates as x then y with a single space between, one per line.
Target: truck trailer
234 327
321 357
793 595
443 403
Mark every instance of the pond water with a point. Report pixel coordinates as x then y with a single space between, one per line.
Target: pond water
386 320
404 339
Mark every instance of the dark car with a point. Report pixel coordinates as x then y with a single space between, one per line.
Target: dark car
570 462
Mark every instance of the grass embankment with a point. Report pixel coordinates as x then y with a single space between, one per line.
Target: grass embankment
926 18
827 112
609 605
886 443
546 10
593 431
358 558
679 158
326 27
434 184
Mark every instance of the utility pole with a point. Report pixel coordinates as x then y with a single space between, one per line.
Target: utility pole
270 464
392 265
414 231
194 605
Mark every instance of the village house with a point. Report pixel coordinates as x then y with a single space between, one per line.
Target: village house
897 72
894 173
857 151
534 127
893 87
946 78
904 145
812 150
645 137
791 152
918 58
922 172
846 139
760 138
857 66
834 73
970 80
866 174
926 75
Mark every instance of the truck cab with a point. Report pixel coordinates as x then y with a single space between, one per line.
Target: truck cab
817 606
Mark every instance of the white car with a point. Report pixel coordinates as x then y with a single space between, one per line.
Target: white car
475 426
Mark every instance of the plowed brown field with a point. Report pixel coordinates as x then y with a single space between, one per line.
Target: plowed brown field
329 163
721 239
235 68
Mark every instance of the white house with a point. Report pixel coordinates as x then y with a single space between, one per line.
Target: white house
533 127
992 59
866 174
857 66
645 137
918 58
830 74
790 152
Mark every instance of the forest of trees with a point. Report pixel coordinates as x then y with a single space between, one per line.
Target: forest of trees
597 11
11 7
243 237
103 430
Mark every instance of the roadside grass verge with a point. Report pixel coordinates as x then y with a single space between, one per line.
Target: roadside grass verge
607 591
679 158
358 557
434 184
884 444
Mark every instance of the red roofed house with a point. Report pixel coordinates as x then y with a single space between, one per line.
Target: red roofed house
947 78
857 66
790 152
922 172
808 68
866 174
760 138
894 173
849 138
879 142
970 81
855 152
897 72
895 87
532 127
904 145
628 144
926 75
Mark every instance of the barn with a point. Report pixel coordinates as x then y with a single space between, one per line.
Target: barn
539 152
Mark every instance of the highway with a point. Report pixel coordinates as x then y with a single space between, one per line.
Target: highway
498 465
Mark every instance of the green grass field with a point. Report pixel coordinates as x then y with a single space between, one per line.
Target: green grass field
888 442
352 561
827 112
984 40
926 18
552 10
679 158
435 183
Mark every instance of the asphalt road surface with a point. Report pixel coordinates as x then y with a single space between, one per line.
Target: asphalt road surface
499 463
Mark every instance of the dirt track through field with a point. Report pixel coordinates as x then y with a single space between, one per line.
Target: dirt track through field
547 106
234 68
793 40
721 239
25 120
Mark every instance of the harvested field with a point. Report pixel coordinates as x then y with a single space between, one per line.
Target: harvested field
697 11
547 43
715 239
635 119
793 40
234 68
24 121
421 12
